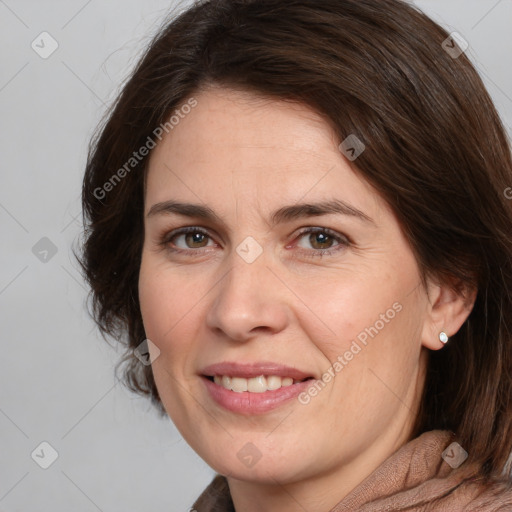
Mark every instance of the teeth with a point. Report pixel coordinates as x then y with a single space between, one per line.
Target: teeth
273 382
258 384
238 384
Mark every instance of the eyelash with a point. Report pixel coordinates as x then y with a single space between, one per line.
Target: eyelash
343 241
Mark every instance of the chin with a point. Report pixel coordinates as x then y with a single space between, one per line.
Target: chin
264 470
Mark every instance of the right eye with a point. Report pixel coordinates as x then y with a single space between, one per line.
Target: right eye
186 240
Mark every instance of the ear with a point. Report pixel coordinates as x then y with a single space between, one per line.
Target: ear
449 306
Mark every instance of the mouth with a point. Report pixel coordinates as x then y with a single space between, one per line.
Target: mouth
253 388
259 384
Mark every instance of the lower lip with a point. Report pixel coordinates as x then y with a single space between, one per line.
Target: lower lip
254 403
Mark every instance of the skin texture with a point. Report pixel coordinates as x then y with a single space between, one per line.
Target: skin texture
245 157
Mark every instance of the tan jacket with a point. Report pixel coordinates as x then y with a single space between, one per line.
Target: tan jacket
416 478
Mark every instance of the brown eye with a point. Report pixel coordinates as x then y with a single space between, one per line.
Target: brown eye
187 239
320 240
195 239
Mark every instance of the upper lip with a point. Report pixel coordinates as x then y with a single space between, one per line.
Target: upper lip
249 370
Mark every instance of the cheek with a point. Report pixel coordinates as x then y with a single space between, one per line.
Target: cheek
379 356
346 306
169 306
372 324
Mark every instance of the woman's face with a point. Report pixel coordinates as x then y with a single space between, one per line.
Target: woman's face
267 283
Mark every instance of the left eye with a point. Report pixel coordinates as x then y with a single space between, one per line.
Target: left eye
321 239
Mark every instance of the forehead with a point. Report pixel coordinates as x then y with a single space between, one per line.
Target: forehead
238 146
224 119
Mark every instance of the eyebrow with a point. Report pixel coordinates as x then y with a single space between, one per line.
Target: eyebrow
284 214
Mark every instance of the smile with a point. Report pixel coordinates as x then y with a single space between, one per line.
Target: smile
259 384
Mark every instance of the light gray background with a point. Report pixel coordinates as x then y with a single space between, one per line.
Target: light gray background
56 373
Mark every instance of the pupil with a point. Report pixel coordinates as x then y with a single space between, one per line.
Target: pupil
320 239
197 238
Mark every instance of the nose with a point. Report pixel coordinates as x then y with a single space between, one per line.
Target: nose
250 301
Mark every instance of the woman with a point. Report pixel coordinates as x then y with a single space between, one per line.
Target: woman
298 210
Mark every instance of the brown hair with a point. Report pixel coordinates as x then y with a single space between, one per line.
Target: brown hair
435 150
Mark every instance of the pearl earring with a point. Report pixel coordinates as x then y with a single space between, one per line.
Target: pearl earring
443 337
